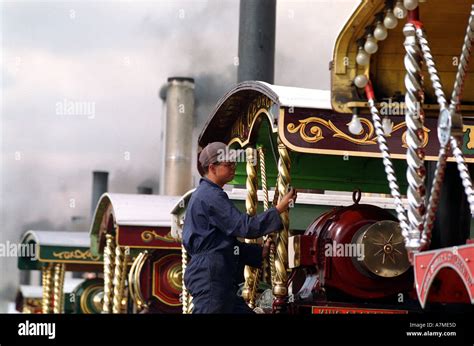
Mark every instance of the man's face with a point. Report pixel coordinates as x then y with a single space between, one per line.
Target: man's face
223 171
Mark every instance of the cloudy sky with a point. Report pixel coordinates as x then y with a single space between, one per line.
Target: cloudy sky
114 56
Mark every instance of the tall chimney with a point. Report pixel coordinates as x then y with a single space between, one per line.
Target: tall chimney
176 178
257 40
99 187
144 190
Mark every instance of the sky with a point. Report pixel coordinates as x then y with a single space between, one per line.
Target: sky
111 58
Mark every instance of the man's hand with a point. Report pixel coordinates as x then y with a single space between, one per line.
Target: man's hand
268 246
290 197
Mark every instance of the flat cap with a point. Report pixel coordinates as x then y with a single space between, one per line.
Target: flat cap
212 153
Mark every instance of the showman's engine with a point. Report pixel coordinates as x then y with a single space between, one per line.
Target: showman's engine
356 251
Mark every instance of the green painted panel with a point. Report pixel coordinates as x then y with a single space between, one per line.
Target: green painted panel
68 254
301 216
326 172
28 263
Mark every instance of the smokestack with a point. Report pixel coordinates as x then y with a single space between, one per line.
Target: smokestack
99 187
79 223
176 176
144 190
257 40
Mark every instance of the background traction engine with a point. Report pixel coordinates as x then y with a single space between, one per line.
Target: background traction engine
354 252
141 259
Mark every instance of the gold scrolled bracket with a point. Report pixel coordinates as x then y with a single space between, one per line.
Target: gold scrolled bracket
280 289
47 282
148 236
134 280
109 261
131 288
251 274
58 290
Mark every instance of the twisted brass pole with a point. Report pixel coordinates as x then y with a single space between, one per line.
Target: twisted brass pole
119 275
124 291
263 174
109 255
280 290
185 296
47 281
58 284
251 274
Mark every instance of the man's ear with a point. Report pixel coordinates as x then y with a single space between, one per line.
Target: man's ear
211 169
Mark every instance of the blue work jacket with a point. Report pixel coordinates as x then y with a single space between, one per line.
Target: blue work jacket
211 226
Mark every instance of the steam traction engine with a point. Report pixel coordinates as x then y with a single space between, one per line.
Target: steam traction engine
414 248
142 262
55 253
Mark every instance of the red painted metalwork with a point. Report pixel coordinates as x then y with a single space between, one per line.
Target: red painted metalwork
156 289
340 273
445 275
163 289
347 310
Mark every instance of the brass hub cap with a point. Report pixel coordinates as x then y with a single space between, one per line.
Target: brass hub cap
384 249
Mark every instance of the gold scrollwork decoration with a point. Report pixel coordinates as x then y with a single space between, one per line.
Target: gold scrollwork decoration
149 236
76 254
244 122
469 129
315 133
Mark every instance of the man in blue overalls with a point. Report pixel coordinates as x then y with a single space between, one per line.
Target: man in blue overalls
211 227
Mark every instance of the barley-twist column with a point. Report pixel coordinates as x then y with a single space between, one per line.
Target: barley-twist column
58 284
444 151
387 161
185 296
280 289
415 153
118 281
109 256
463 64
463 172
270 262
251 274
125 294
47 281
